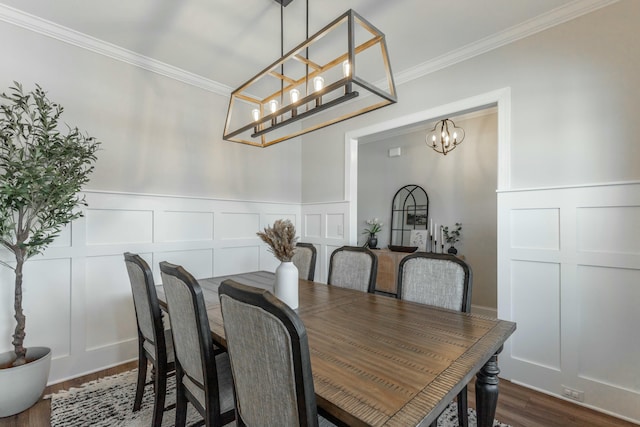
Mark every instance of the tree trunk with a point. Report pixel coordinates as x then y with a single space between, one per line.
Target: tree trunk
18 335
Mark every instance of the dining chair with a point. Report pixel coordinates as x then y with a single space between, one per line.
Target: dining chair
353 267
441 280
155 345
269 352
202 377
304 258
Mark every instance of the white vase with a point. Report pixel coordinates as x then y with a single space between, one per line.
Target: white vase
286 286
22 386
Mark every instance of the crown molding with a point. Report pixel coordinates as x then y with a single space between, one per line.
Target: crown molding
540 23
535 25
67 35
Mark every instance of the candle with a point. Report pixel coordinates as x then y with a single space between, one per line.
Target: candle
431 227
442 234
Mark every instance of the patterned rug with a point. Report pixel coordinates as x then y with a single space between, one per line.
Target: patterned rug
107 402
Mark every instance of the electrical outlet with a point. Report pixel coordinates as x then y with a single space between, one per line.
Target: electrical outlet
573 393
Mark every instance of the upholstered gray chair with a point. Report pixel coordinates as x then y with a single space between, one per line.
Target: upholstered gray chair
441 280
304 258
269 352
154 342
202 378
353 267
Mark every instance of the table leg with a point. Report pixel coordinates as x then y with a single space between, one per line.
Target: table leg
487 391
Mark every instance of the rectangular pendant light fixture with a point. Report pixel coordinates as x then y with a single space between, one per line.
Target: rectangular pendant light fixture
301 92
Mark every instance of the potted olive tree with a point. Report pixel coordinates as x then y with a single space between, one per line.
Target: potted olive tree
42 170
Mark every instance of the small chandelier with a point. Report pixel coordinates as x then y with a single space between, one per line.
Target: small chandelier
327 69
445 136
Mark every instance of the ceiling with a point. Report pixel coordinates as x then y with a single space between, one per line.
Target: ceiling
229 41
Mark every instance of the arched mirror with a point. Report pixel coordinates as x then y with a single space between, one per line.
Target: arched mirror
409 211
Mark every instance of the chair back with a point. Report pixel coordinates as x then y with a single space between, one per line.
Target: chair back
304 258
441 280
269 354
195 361
353 267
145 301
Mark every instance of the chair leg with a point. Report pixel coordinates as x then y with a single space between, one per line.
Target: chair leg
463 416
181 404
160 386
434 423
142 377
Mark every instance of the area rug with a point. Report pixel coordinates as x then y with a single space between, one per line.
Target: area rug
108 402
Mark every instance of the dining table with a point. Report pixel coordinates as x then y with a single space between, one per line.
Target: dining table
380 361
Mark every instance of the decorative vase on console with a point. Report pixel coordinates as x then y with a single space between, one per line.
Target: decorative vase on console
372 241
452 237
374 227
282 242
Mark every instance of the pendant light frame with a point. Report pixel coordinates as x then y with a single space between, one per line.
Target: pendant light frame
240 126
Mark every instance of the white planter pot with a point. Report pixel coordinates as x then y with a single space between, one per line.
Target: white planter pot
286 287
22 386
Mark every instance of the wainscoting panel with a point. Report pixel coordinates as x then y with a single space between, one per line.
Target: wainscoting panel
51 277
232 225
237 260
313 226
185 226
109 313
535 228
609 317
78 297
595 236
113 226
569 275
326 225
536 285
198 262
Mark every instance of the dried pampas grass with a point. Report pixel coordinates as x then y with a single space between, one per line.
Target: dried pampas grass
281 239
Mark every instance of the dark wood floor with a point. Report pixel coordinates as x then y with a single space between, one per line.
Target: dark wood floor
517 406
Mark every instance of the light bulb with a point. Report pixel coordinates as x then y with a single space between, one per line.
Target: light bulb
455 136
318 83
273 105
346 68
255 113
294 95
446 141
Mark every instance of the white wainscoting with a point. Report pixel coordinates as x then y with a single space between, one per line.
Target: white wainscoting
325 225
569 275
77 295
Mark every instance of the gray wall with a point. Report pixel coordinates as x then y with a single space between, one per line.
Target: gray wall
461 188
575 103
160 136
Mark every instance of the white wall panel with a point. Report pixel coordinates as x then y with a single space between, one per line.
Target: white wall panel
109 313
537 338
237 225
614 229
575 303
609 320
186 226
43 315
197 262
326 226
269 219
237 260
113 226
535 228
313 225
335 225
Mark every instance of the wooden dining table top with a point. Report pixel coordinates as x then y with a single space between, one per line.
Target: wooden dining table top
377 360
